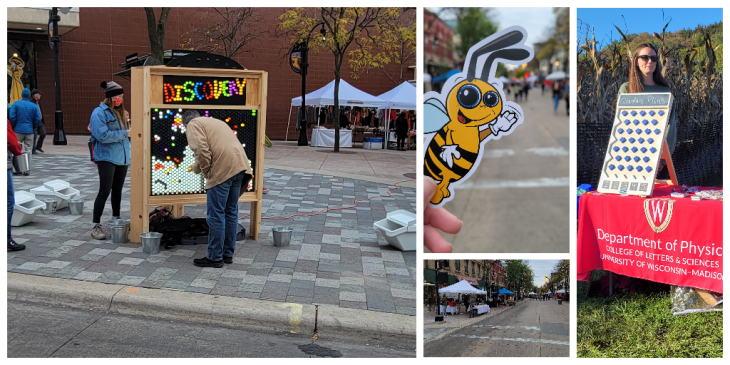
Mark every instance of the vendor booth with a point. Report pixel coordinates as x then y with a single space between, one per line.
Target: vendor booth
161 158
641 227
325 96
402 97
463 287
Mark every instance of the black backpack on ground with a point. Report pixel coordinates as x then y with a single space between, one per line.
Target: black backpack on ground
183 230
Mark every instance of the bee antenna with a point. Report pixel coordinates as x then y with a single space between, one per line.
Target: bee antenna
504 41
513 54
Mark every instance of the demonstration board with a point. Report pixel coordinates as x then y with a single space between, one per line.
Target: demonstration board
161 158
635 145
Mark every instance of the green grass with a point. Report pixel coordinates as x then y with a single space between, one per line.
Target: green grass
642 325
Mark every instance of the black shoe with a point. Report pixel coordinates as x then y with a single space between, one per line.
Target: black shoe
206 262
34 153
17 173
40 150
14 246
227 259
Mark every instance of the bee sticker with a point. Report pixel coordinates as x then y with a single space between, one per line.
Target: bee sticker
470 110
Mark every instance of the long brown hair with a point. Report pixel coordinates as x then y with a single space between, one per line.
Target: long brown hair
636 82
119 112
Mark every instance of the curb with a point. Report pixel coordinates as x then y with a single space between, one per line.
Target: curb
331 321
469 323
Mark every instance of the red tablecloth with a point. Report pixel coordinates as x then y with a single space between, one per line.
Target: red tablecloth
614 234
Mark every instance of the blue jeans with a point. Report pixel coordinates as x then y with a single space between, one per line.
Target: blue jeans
223 217
11 200
556 99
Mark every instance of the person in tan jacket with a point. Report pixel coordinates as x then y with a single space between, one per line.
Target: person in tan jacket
220 158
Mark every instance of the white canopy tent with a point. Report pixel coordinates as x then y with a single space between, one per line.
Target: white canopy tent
462 287
402 96
325 96
561 291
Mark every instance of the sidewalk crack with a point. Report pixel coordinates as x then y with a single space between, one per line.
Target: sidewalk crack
90 324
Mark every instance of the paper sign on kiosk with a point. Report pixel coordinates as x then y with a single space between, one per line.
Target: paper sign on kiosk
470 110
635 146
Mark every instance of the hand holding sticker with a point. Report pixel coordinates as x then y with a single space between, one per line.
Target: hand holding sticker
470 111
435 219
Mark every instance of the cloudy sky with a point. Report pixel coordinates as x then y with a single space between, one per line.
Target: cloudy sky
538 22
541 268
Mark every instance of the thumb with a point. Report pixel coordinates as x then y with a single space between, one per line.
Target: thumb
429 189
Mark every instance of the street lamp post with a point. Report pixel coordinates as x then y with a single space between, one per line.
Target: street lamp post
59 136
303 48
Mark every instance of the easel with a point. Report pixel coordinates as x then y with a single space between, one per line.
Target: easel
147 93
667 157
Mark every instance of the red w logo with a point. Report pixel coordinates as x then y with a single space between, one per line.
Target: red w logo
658 213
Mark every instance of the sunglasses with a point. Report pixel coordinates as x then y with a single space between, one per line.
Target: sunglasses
646 58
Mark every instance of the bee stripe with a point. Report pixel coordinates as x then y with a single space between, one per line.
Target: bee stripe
463 163
458 170
431 166
469 156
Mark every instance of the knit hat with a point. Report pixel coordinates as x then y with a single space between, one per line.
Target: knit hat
25 94
35 91
111 88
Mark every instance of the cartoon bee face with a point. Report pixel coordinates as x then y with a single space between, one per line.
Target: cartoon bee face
473 104
470 111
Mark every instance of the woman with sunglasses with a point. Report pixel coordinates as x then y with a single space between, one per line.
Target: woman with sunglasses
112 152
645 76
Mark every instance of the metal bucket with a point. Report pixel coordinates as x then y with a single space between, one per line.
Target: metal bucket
119 222
151 242
76 206
282 236
50 207
120 234
22 162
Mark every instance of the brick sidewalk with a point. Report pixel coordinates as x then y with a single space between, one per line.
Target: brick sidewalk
334 258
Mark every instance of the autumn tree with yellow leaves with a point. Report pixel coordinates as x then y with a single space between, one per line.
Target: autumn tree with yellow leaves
371 37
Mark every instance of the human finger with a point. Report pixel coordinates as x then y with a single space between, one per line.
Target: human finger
429 188
442 219
434 241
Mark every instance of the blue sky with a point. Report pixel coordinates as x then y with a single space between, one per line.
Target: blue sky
538 22
541 268
641 20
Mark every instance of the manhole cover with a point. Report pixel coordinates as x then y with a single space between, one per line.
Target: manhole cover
341 151
410 175
319 351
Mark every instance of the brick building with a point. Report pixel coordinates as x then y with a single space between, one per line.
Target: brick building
438 44
473 271
93 48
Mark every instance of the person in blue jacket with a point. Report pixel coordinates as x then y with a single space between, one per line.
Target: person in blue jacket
25 117
112 152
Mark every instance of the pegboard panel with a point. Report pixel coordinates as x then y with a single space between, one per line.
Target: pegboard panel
172 158
635 145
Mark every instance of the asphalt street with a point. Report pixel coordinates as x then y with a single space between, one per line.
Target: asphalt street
532 329
37 331
517 200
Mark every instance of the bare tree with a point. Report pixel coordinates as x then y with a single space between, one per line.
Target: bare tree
229 31
156 32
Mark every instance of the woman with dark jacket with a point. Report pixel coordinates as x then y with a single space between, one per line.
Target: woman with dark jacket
112 152
401 131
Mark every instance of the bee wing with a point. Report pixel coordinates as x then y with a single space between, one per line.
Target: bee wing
434 115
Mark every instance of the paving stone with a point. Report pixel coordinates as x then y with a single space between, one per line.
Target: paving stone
328 283
339 248
131 280
352 296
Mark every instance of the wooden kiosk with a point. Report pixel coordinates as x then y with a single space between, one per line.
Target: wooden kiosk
160 155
